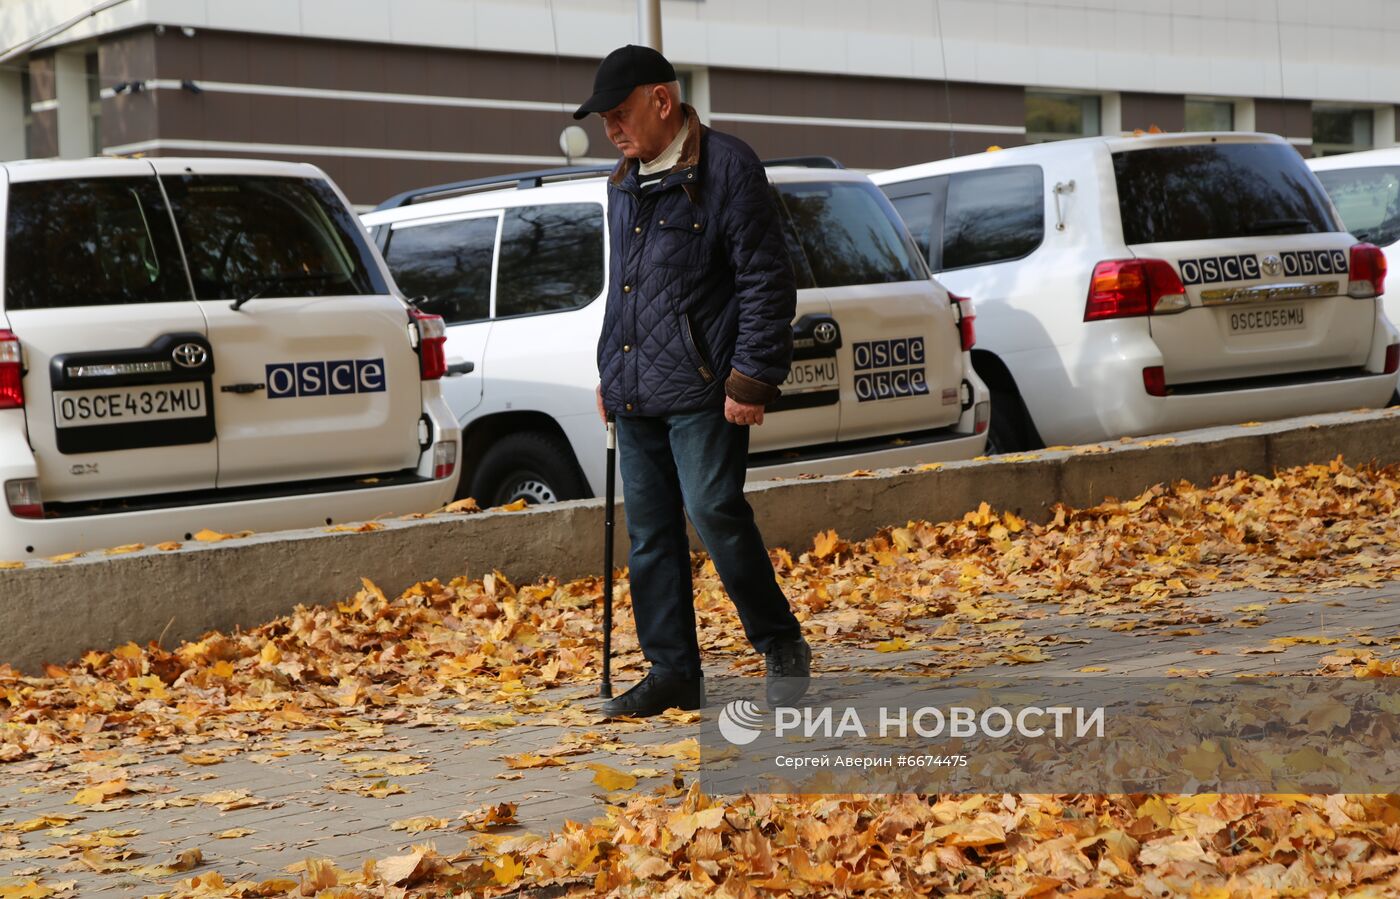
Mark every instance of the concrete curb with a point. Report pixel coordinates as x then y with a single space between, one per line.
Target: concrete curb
55 612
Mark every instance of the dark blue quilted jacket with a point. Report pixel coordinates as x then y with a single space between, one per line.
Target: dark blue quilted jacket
700 289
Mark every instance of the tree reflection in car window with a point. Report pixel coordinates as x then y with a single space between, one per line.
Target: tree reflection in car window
448 264
551 258
1368 201
1214 191
993 216
268 236
850 234
90 242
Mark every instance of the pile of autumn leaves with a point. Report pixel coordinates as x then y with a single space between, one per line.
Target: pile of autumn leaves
1324 526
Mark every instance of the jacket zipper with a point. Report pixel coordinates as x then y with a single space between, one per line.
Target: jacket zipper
704 367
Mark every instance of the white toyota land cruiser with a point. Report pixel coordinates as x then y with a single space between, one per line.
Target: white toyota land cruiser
191 344
517 266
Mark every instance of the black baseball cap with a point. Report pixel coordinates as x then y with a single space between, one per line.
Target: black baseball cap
621 72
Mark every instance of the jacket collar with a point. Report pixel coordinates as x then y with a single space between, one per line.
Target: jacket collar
625 173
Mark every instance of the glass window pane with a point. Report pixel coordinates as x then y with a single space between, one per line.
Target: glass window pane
449 264
90 242
1059 116
1213 191
850 234
551 258
1210 115
1340 129
993 216
1368 201
275 237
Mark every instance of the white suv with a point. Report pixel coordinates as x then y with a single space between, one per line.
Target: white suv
881 374
203 343
1365 187
1137 285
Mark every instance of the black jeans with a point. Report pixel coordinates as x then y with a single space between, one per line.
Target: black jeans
693 463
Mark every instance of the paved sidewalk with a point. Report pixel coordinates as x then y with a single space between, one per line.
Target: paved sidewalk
304 789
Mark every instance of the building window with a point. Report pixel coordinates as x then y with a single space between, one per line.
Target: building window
1210 115
94 92
26 89
1060 116
1342 129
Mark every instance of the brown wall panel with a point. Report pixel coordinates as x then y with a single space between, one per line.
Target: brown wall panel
779 93
1142 111
1291 118
128 117
43 126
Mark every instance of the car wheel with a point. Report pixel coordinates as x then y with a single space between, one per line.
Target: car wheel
1010 430
534 466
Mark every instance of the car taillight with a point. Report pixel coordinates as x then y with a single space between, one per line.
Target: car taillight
1126 288
11 372
1154 379
1367 277
23 498
444 459
967 316
429 334
1392 358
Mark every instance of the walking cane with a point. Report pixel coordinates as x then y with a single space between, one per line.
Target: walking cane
608 529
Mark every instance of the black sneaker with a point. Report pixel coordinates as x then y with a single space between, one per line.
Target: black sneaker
655 694
789 667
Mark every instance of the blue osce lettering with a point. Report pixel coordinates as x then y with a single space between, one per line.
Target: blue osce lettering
334 378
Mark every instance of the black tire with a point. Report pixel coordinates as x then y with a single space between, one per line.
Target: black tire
1011 429
536 466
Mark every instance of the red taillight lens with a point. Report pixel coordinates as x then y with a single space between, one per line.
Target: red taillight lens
23 498
11 372
1126 288
1392 358
967 316
444 459
431 334
1154 378
1367 277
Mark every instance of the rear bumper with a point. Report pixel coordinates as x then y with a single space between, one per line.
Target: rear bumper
24 539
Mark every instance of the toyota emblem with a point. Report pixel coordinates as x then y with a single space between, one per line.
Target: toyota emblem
1272 265
825 332
190 355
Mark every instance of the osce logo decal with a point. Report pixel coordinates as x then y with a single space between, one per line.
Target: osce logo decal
886 369
298 379
1211 269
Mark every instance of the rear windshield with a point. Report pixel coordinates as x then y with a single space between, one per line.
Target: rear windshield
264 236
1368 200
848 233
90 242
1213 191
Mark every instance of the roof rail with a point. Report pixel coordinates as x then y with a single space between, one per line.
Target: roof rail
806 162
522 181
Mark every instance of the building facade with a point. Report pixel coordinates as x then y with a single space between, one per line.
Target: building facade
392 94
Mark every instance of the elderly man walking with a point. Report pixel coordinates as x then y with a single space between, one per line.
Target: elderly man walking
696 338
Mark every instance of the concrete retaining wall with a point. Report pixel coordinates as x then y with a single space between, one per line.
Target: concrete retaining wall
56 612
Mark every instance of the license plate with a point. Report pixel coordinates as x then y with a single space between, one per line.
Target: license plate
1281 318
128 405
811 375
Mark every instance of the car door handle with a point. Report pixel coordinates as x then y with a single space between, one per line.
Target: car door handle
242 388
460 368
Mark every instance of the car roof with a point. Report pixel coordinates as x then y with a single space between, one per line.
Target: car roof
1383 156
584 189
110 166
1059 150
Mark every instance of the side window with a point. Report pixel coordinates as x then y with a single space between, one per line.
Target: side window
90 242
993 216
801 271
850 233
921 204
1368 200
551 258
449 263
